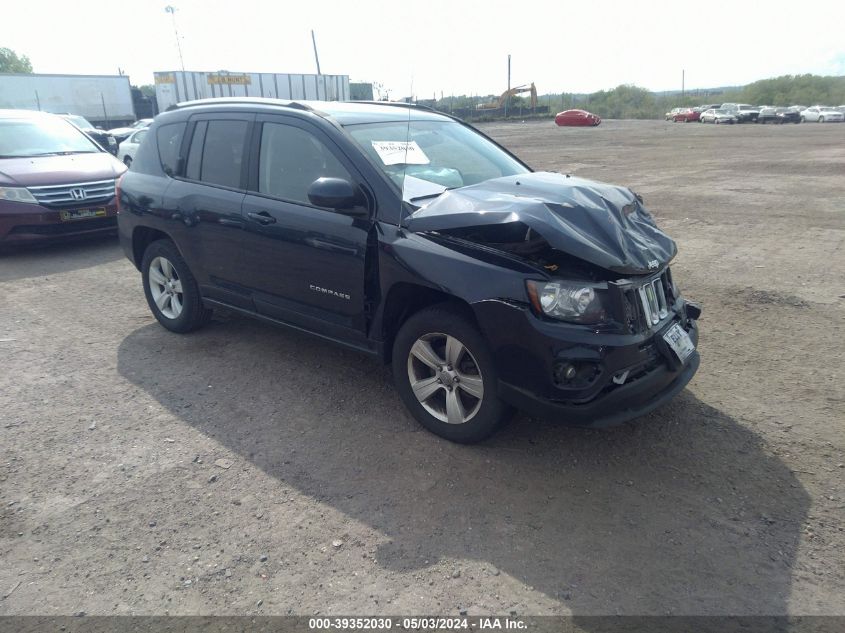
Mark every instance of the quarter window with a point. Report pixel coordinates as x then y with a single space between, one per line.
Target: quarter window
291 159
169 143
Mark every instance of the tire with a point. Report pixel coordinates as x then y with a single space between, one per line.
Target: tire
171 290
127 160
803 120
420 355
821 119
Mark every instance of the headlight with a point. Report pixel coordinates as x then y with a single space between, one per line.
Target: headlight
568 301
17 194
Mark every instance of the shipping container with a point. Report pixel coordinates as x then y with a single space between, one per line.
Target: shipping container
104 100
174 87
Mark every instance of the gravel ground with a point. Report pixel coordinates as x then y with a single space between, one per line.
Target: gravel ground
246 469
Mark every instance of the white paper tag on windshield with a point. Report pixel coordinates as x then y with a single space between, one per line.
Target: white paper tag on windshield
400 153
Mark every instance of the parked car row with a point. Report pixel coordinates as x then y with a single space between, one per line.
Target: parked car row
746 113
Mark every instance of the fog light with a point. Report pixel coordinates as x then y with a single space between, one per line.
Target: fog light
576 375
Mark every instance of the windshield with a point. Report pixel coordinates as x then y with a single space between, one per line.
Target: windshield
79 121
429 157
42 136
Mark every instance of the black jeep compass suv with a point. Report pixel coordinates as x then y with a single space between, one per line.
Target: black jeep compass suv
409 235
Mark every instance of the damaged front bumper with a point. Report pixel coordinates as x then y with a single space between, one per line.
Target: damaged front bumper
585 377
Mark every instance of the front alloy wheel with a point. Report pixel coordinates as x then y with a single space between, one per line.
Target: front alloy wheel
445 378
444 372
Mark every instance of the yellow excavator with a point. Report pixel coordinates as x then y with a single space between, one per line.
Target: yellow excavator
500 103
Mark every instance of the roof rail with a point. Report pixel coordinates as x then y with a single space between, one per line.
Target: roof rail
245 100
401 104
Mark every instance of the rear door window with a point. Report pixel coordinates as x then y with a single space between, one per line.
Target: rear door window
216 156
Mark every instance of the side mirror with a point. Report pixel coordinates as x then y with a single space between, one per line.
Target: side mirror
337 194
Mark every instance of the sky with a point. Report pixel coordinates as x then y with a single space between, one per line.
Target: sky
433 47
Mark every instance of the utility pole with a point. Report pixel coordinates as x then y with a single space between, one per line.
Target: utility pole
508 93
172 11
682 83
316 57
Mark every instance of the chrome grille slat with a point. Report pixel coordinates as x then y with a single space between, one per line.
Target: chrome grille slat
69 200
653 301
59 195
72 184
88 194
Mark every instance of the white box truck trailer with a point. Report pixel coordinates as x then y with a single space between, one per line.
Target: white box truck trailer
174 87
104 100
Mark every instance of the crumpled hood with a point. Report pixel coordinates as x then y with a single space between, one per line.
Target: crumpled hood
602 224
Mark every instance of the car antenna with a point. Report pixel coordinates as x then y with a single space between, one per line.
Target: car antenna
405 164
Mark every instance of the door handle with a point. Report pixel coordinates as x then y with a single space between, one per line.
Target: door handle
262 218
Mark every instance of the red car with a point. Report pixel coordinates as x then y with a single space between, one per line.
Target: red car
55 181
686 115
577 117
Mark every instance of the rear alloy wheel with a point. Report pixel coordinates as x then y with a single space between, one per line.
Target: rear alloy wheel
127 160
171 290
803 120
166 287
821 119
445 375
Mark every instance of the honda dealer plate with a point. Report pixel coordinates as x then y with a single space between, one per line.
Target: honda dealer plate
81 214
679 341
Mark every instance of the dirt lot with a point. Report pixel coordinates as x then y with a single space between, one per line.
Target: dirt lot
247 469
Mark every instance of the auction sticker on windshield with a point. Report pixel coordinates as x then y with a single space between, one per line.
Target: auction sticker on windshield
679 341
400 153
